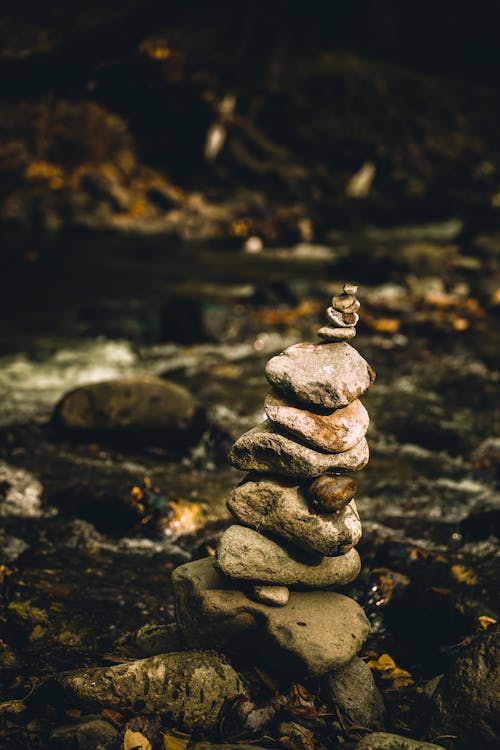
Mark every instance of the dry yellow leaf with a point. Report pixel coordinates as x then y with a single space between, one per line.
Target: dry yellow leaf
383 663
463 574
175 740
486 621
135 741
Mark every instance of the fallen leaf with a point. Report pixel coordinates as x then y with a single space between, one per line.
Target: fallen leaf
135 741
115 717
486 621
175 740
464 574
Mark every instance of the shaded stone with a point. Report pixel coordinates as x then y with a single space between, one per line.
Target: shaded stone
315 633
385 741
333 431
245 554
158 639
279 506
336 334
266 449
275 596
139 407
329 375
353 690
88 733
190 688
330 494
467 698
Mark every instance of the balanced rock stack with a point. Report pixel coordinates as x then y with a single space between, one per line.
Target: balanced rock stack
269 589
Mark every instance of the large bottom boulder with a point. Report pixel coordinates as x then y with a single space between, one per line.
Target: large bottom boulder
315 633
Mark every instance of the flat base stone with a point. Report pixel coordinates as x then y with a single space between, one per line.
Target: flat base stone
315 633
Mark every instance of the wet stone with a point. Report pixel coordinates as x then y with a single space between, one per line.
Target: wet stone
316 632
274 596
279 506
330 494
266 449
244 554
331 431
328 375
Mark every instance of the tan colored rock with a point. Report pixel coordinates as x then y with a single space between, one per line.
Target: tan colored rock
266 449
328 375
336 334
246 555
316 632
279 506
330 431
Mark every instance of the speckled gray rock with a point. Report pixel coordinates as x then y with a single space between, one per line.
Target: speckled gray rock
190 688
266 449
279 506
467 698
353 690
385 741
87 733
328 333
329 375
245 554
274 596
330 431
317 631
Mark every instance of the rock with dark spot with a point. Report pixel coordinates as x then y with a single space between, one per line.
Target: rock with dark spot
328 375
316 632
190 687
133 408
467 698
353 690
266 449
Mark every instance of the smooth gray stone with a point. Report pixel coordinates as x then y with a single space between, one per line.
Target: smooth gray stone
353 690
244 554
266 449
317 631
329 375
279 506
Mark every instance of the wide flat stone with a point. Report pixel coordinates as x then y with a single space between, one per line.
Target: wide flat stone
266 449
329 375
244 554
313 634
331 431
279 506
329 333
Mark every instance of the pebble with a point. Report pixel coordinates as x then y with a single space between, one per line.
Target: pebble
328 375
341 320
247 555
317 632
331 431
280 507
330 494
274 596
336 334
265 449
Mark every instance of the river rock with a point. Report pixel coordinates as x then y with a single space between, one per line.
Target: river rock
385 741
275 596
353 690
328 333
139 407
265 449
190 688
247 555
87 733
329 375
330 494
330 431
317 631
279 506
467 698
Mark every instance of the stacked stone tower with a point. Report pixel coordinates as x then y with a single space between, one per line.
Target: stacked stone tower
270 590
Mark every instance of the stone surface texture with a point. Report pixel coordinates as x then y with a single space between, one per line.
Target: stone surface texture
245 554
265 449
315 633
331 431
280 507
328 375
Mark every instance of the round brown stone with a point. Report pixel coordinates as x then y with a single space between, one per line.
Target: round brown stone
330 494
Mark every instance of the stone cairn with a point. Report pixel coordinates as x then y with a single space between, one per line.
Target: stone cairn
270 589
